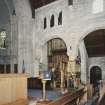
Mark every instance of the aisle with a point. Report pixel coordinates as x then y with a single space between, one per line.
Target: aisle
50 94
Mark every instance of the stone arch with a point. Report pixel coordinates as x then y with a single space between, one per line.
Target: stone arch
84 59
46 39
44 47
54 57
89 30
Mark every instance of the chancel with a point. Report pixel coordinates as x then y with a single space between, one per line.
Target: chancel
52 52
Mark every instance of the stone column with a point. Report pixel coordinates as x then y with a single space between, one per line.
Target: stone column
44 58
12 67
62 80
84 63
71 66
4 68
71 71
25 25
14 41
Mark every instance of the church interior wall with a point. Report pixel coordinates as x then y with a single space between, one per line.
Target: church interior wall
5 24
27 37
30 36
77 22
97 61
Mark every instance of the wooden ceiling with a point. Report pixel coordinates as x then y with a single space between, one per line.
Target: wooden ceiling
39 3
95 43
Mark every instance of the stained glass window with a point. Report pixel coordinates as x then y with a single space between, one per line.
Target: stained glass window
2 38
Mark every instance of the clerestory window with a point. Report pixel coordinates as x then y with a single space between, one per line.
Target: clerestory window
52 21
60 19
45 23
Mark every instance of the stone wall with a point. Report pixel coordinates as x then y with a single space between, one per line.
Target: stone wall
78 20
25 36
97 61
28 38
5 23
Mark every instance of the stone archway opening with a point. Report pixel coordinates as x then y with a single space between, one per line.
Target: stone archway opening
56 52
92 50
57 61
95 47
95 77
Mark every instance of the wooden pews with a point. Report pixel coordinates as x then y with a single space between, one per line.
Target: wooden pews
67 99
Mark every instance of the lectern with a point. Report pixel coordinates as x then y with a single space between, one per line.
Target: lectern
45 77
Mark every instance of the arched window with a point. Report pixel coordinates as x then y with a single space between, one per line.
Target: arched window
70 2
98 6
45 23
52 21
60 19
2 38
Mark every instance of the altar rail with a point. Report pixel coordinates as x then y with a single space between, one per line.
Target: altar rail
67 99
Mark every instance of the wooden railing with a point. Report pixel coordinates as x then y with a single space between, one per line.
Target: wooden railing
67 99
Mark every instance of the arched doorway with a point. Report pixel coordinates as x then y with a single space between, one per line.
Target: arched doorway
57 60
95 77
95 74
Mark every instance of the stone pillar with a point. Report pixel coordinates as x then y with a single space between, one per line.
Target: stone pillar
25 25
12 67
62 80
44 58
71 71
54 85
4 68
14 41
84 63
71 66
